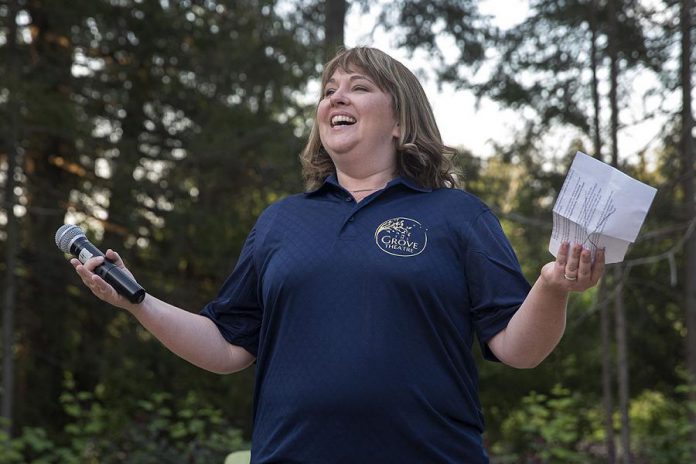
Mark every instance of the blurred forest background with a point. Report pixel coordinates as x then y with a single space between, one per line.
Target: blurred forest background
164 127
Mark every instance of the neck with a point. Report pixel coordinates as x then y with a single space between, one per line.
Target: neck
367 183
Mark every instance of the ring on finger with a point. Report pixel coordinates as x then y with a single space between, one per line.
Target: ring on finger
570 277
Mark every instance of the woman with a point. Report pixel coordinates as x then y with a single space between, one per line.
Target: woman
359 299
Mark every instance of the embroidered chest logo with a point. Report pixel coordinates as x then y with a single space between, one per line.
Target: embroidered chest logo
401 237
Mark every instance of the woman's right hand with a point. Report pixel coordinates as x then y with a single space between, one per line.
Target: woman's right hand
97 285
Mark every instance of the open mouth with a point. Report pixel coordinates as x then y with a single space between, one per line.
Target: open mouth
342 120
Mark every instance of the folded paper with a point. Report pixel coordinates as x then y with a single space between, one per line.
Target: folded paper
599 207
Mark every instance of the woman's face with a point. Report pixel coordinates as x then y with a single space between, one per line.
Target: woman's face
356 117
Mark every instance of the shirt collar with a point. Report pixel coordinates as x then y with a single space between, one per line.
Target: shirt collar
332 182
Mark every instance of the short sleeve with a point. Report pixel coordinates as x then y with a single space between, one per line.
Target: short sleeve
496 284
236 310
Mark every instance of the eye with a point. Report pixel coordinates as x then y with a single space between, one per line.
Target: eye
329 92
360 88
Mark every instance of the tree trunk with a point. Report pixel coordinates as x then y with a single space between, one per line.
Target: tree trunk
12 230
620 318
613 84
334 25
607 351
46 312
605 320
597 137
622 363
687 153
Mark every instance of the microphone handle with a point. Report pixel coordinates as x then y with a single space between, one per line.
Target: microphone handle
118 279
112 274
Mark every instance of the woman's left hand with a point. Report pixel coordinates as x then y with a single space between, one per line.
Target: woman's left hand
573 270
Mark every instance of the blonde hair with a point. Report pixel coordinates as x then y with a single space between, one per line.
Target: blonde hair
421 155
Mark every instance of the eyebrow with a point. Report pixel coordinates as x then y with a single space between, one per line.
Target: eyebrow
352 78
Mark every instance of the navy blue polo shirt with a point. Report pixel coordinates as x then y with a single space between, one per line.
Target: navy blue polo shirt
362 318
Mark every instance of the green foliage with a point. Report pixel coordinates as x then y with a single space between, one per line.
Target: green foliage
661 427
161 429
163 128
565 426
548 428
543 65
424 25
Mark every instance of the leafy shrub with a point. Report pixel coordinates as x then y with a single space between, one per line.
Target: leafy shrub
563 427
553 428
660 428
161 430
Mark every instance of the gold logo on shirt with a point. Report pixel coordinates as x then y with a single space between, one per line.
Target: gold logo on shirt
401 237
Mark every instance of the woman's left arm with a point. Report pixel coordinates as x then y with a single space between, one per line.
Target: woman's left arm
537 327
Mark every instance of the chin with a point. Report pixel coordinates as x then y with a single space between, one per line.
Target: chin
339 150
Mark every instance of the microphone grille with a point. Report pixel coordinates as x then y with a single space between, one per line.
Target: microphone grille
65 236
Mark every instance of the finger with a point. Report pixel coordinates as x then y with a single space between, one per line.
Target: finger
115 258
585 265
100 288
99 285
562 255
571 268
83 271
92 263
574 258
92 281
598 266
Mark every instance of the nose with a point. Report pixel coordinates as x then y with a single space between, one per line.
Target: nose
339 97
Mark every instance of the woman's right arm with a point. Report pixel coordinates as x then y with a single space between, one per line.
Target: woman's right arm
191 336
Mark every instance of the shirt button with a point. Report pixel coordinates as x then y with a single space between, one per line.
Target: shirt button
349 198
351 219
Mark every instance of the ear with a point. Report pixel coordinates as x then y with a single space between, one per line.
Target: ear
396 132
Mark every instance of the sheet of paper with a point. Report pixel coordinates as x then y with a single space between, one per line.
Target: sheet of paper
599 207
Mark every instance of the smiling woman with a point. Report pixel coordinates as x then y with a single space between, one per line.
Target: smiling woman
359 300
401 125
357 127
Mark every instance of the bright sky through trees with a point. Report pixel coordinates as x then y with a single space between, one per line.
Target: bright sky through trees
461 121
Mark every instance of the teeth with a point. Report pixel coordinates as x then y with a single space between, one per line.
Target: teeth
342 118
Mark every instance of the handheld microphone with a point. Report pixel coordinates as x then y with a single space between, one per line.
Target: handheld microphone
72 240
